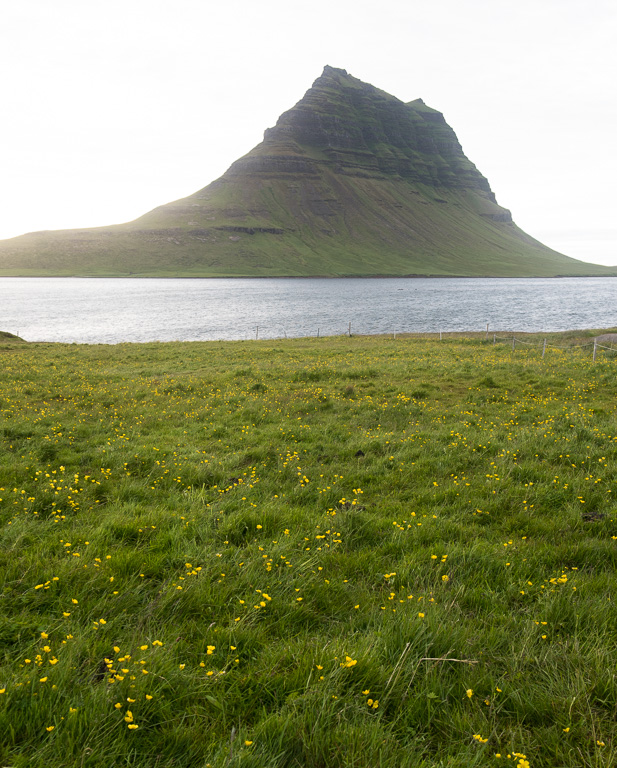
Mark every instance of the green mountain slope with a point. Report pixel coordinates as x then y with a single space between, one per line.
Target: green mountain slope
350 181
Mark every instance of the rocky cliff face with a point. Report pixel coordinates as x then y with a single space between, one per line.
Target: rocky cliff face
361 131
350 181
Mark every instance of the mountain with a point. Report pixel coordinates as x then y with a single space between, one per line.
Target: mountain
350 181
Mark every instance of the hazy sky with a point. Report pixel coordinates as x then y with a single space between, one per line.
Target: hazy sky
112 108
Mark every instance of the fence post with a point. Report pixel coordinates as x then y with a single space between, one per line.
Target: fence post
487 331
318 333
513 343
543 349
256 333
494 339
349 331
439 335
595 344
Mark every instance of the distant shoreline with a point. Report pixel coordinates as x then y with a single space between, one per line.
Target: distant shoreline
310 277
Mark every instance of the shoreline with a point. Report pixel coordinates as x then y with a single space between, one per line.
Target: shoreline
307 277
574 335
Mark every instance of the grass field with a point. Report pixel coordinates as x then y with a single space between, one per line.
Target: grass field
328 552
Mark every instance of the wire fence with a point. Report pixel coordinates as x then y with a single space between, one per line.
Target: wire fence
594 345
278 331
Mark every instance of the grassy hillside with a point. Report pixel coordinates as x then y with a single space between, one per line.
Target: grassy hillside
318 552
350 181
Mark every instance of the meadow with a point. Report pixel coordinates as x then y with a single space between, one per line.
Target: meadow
350 551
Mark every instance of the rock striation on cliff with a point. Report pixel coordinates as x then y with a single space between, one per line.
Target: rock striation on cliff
361 131
350 181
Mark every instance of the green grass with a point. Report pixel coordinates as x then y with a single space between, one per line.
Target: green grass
320 552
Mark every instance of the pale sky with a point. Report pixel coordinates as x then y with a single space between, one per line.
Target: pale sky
112 108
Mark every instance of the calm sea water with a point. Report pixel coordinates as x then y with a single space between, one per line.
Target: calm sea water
110 311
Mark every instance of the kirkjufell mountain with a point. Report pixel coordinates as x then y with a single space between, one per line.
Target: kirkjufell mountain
349 182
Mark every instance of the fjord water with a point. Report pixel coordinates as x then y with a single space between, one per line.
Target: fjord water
114 310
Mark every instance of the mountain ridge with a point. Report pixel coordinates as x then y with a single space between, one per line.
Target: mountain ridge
350 181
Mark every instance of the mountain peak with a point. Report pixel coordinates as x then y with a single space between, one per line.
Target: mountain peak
330 71
365 132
